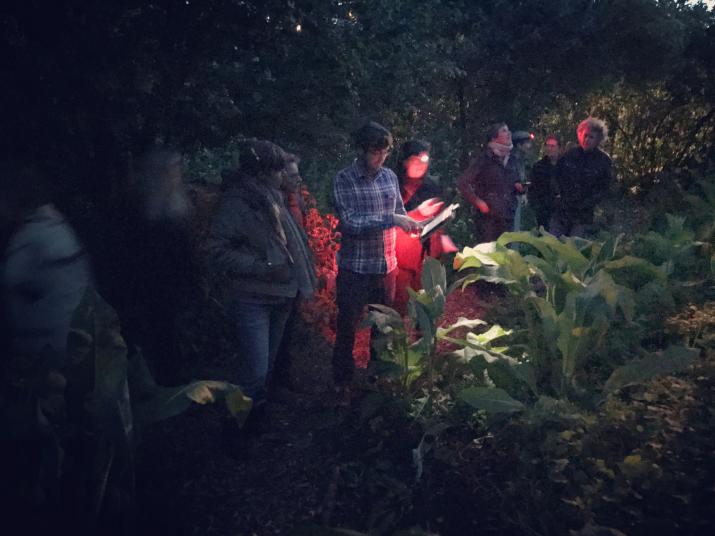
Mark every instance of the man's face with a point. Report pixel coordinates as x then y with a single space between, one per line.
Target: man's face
588 139
374 158
417 165
551 147
526 147
292 178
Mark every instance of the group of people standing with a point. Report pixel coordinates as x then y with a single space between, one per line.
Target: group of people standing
562 190
257 248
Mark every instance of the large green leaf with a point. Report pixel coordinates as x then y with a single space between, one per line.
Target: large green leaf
461 322
433 275
673 359
527 238
636 267
160 402
568 253
492 400
475 257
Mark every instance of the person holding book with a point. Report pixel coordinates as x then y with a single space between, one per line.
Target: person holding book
421 197
369 207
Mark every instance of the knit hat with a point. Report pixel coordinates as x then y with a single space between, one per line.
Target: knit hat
521 135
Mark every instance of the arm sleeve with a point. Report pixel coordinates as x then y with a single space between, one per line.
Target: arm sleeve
399 204
353 220
467 182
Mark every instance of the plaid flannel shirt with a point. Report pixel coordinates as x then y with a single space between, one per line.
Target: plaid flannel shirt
365 208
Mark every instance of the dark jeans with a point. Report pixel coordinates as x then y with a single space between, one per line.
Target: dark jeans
354 292
260 329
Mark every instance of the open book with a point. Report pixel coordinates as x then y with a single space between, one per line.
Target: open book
438 221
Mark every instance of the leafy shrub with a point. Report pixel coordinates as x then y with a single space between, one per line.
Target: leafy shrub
89 414
579 299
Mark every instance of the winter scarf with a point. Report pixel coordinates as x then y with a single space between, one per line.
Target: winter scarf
501 150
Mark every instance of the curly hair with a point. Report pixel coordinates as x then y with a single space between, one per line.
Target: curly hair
594 124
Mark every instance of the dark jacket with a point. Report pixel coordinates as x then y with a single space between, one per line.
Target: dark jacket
247 244
542 190
583 180
488 179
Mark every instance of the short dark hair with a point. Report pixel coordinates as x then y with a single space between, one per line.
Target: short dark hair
556 137
408 149
372 135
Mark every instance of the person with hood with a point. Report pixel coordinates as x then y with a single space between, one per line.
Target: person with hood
491 187
584 176
256 248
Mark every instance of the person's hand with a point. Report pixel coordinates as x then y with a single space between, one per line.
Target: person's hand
482 206
448 246
430 207
519 187
406 223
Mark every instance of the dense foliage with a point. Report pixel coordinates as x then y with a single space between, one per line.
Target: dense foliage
94 86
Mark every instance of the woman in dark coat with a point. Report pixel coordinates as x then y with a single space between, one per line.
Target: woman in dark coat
490 187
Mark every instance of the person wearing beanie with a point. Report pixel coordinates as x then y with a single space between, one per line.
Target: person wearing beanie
491 187
584 176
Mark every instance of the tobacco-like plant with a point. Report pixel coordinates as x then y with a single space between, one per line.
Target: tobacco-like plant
577 298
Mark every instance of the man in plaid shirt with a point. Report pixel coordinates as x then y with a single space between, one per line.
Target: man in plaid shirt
369 206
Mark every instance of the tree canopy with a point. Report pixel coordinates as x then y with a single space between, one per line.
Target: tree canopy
89 85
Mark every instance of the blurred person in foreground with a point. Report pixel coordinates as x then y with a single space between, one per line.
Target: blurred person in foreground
421 197
151 271
258 250
369 206
491 187
44 271
584 175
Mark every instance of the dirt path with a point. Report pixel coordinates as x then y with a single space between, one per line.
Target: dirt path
313 464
